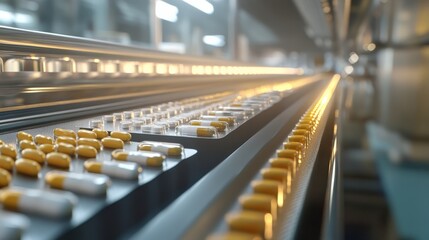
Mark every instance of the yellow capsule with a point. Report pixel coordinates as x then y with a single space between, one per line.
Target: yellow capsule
86 151
301 132
299 139
82 133
1 142
64 132
90 142
297 146
47 148
124 136
234 235
278 174
145 158
100 133
69 140
114 143
270 187
27 167
303 127
24 144
285 163
8 150
251 222
34 154
170 149
58 160
5 178
65 148
259 202
6 162
288 153
42 139
24 136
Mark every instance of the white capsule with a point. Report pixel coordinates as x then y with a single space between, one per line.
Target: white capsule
123 170
39 202
108 118
246 111
12 225
153 129
117 116
137 114
237 115
127 114
96 123
83 183
137 123
199 131
125 124
145 111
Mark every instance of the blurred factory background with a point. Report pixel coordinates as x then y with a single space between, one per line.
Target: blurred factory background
380 47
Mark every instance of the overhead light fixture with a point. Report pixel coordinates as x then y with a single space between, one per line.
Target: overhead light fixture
201 5
214 40
166 11
348 70
353 58
370 47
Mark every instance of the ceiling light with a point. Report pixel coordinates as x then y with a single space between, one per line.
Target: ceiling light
201 5
214 40
166 11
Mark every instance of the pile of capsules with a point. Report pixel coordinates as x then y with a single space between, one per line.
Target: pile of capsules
198 117
57 153
261 208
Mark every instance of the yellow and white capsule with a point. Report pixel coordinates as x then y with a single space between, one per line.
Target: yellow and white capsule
123 170
64 132
167 148
34 154
24 136
12 225
86 151
259 202
39 202
47 148
68 140
270 187
40 139
220 126
82 133
100 133
5 178
82 183
8 150
234 235
144 158
65 148
113 143
251 222
27 167
230 120
25 144
58 160
237 115
188 130
124 136
6 162
90 142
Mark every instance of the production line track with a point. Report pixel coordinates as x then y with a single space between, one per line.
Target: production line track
144 202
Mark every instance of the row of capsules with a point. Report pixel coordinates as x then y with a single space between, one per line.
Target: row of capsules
58 152
198 117
260 209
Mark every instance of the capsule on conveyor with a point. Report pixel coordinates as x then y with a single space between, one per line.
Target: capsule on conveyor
144 158
124 136
5 178
24 136
42 139
12 225
39 202
58 160
65 148
64 132
123 170
112 143
169 149
27 167
230 120
237 115
82 183
299 139
278 174
153 129
68 140
291 154
251 222
302 132
6 162
8 150
234 235
34 154
284 163
100 133
25 144
297 146
47 148
198 131
270 187
89 142
82 133
259 202
86 151
220 126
